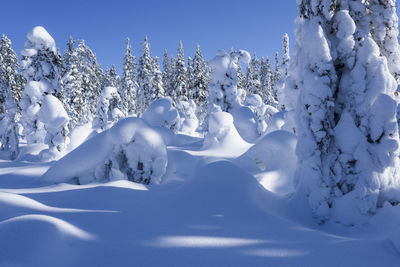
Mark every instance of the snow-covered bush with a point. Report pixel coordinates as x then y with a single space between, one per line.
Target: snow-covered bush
32 96
55 122
161 113
131 150
108 110
187 113
220 129
262 112
223 95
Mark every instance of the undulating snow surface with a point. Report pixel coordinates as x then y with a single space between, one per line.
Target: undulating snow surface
222 202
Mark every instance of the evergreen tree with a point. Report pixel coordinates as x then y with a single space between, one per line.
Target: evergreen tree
144 76
9 67
345 111
253 85
171 92
157 89
72 80
277 73
108 110
92 77
223 94
41 67
112 79
285 56
385 32
190 78
166 74
266 79
128 83
179 76
201 78
9 83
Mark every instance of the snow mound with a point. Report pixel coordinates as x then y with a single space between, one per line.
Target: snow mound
275 156
162 113
64 228
130 150
38 39
222 133
246 123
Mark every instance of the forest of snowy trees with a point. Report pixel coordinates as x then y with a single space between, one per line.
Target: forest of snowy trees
337 92
90 94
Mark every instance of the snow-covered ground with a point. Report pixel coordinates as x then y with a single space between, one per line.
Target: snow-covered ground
218 205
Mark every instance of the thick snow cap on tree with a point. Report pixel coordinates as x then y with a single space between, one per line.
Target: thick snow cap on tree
162 113
131 150
52 114
38 39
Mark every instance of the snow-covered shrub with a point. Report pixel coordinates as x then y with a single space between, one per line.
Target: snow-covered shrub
223 93
55 121
32 96
161 113
220 129
187 113
107 108
131 150
262 112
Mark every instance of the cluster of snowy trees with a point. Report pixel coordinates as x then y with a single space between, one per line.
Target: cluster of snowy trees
90 95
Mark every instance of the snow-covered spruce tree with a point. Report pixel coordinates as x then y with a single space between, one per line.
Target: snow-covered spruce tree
200 84
92 77
9 67
9 137
349 148
128 83
267 79
108 110
285 56
144 77
41 67
166 74
253 85
157 89
111 78
277 72
190 78
179 76
223 84
72 80
385 32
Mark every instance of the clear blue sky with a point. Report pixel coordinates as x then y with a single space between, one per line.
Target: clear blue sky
253 25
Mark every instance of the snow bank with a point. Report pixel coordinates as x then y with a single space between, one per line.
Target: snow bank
131 150
246 123
275 156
